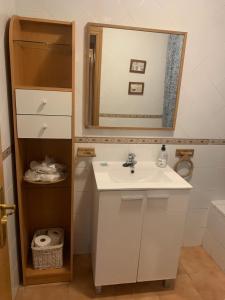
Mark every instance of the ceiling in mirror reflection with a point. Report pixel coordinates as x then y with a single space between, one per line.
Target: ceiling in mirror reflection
133 77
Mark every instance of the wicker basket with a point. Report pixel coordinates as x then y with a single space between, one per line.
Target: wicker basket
47 257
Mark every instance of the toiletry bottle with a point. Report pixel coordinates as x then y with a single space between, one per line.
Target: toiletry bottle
162 158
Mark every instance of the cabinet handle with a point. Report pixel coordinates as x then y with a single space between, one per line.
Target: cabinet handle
44 102
130 198
45 126
159 196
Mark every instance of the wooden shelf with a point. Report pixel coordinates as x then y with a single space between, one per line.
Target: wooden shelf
66 183
45 183
41 53
43 88
42 43
34 276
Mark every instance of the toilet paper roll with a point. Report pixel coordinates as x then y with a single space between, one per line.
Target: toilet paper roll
42 241
55 235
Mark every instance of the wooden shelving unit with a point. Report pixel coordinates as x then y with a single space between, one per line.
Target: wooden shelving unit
42 59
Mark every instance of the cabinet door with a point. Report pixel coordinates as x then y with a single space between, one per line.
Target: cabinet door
162 235
118 237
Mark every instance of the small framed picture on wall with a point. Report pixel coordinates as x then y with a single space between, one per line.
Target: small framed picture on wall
137 66
136 88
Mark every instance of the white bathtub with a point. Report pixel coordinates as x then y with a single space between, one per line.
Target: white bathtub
214 238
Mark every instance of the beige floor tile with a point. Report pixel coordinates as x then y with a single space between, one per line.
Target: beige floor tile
195 259
210 285
43 292
199 278
181 269
75 294
146 296
183 290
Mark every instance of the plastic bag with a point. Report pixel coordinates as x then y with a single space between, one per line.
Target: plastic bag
48 166
45 171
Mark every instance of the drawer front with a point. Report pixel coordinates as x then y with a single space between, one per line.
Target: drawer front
43 102
33 126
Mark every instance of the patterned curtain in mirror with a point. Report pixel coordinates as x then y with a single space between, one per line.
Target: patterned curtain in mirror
174 49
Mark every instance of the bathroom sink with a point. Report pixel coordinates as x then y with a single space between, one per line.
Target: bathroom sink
125 175
113 176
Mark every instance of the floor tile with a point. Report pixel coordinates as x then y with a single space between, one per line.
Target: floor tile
183 290
195 259
199 278
210 285
43 292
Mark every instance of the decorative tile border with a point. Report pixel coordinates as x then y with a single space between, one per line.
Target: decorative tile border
217 142
130 116
130 140
6 152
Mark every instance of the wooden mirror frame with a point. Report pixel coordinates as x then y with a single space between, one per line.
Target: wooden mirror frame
97 29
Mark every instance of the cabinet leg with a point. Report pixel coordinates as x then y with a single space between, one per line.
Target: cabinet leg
168 283
98 289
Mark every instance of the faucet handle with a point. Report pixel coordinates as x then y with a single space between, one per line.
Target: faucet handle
131 155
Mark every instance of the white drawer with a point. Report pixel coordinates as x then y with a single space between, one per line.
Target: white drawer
34 126
43 102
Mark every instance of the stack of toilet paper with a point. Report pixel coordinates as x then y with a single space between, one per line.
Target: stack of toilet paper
53 237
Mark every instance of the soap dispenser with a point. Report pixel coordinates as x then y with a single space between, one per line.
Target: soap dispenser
162 158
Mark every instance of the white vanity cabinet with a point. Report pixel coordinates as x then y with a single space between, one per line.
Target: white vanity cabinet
137 235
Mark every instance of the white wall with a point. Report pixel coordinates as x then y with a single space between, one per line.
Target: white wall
119 46
201 111
7 8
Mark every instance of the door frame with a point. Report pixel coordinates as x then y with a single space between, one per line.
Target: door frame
5 278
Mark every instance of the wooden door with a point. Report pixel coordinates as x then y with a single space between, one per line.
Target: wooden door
5 283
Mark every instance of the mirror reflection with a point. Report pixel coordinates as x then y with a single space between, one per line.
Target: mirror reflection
133 77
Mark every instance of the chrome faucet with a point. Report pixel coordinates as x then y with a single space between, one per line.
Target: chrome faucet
131 162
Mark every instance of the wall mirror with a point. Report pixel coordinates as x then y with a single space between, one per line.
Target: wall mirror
133 77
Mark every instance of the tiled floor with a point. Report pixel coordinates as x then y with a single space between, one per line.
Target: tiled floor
198 278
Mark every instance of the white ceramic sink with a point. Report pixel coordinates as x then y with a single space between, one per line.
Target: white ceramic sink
147 175
124 175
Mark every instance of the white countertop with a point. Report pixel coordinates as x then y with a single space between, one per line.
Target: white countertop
112 175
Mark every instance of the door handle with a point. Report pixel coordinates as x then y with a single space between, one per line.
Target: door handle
5 207
5 211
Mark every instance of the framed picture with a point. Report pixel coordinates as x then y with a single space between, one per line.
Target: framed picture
137 66
136 88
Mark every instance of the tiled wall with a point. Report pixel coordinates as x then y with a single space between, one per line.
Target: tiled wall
201 111
7 8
